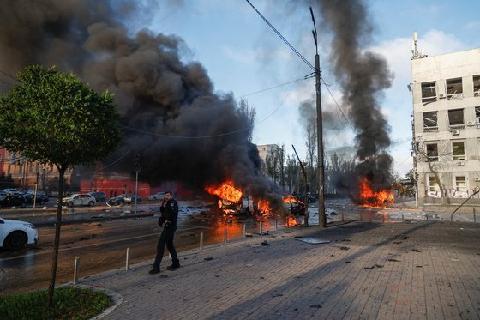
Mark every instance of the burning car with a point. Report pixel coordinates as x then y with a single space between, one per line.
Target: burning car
294 205
230 197
370 198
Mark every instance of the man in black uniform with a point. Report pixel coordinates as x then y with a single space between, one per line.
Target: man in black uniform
168 217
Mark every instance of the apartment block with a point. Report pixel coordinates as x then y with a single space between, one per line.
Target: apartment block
446 126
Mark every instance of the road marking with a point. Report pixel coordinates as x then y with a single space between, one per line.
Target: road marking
29 255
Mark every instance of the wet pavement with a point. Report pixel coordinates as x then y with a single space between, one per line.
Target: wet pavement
102 246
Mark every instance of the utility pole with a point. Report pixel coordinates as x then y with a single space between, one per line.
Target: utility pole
137 169
320 162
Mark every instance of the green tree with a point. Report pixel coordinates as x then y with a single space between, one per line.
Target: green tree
53 118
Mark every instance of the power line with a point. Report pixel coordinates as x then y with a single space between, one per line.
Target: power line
282 37
300 56
336 103
228 133
186 137
277 86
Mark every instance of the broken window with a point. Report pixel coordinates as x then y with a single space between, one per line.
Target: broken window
477 114
476 85
432 152
458 148
454 87
428 91
460 183
455 119
432 183
430 121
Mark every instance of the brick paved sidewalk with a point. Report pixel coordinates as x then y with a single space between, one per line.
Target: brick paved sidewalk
424 270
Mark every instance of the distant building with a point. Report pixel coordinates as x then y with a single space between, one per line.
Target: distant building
446 126
27 173
266 152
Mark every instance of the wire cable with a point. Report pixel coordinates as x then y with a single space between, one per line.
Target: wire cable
281 36
277 86
336 102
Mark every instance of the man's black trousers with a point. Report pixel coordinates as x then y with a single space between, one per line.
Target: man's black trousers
166 238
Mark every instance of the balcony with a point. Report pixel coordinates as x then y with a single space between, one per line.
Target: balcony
430 129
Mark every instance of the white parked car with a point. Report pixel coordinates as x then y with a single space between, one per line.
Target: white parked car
78 200
16 234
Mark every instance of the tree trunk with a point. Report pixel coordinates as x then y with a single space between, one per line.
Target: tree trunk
51 288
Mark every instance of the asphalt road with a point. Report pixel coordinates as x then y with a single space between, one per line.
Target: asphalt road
102 246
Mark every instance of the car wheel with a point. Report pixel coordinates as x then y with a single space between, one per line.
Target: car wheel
91 203
15 241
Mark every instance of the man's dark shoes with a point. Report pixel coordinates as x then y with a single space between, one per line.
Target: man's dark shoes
173 267
154 271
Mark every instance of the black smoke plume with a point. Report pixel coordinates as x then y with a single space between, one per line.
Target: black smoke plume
362 75
171 117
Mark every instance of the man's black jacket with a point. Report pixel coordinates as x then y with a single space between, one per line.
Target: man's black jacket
169 212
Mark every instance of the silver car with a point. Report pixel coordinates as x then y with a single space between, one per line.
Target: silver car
79 200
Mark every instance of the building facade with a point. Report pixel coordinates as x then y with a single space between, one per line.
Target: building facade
267 152
446 126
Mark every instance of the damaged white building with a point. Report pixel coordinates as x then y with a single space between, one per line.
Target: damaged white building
446 126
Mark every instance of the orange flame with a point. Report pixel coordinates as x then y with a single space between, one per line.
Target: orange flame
290 199
264 207
371 198
226 191
291 221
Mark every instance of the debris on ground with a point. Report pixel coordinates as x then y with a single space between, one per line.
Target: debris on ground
369 268
265 243
317 306
348 262
208 258
277 295
344 248
419 266
346 240
378 265
248 235
392 260
416 250
311 240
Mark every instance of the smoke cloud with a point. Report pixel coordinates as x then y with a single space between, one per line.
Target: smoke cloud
170 114
362 75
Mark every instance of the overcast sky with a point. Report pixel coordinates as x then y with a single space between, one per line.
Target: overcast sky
243 56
